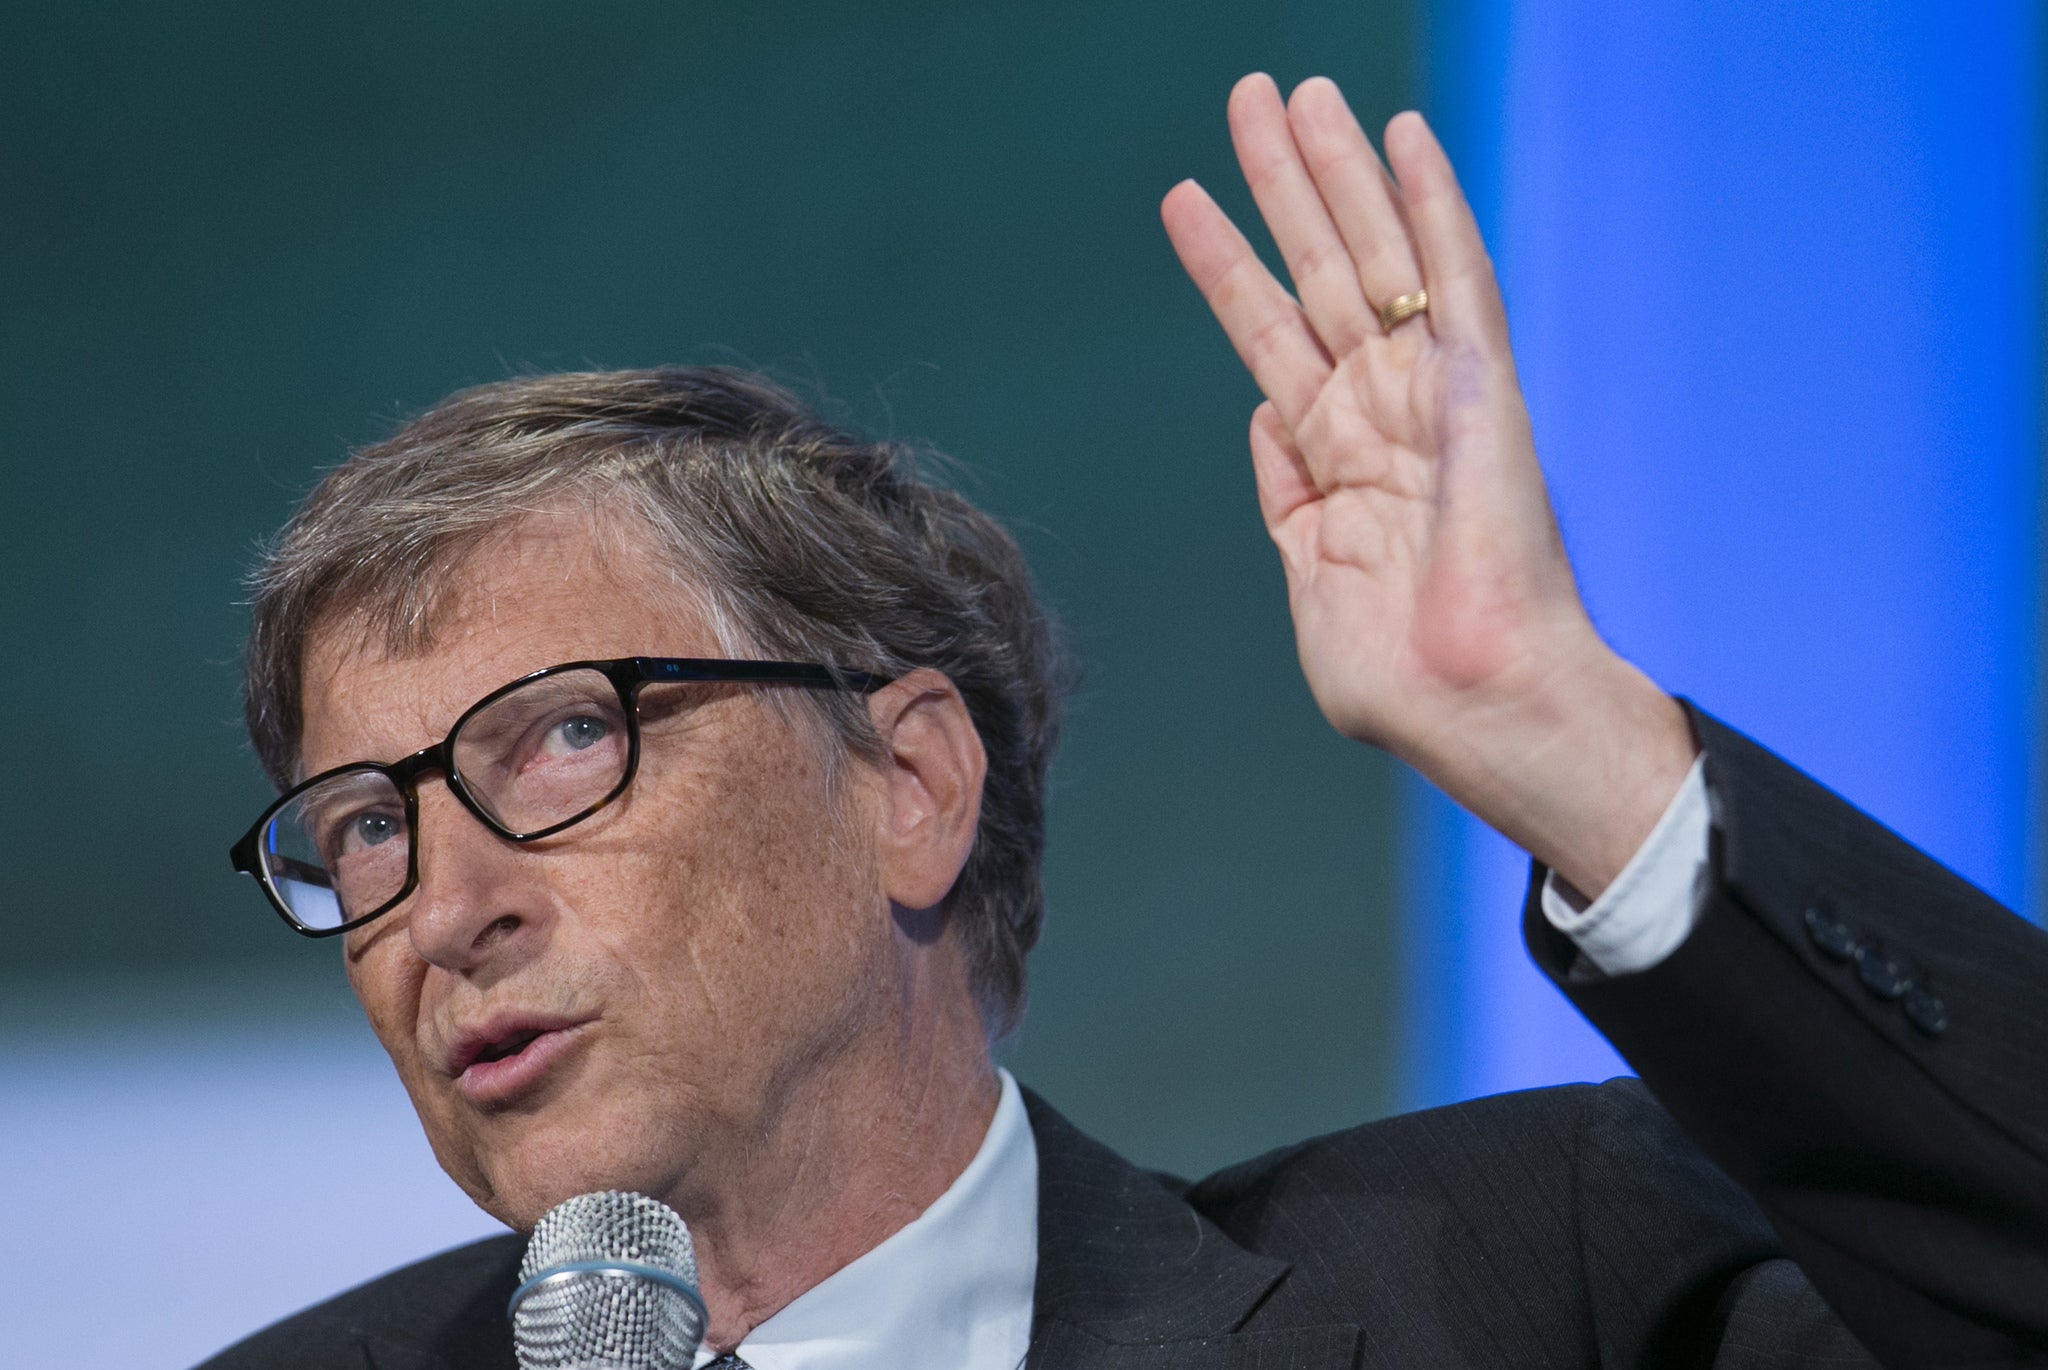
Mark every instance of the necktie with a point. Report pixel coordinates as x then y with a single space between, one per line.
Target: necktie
728 1361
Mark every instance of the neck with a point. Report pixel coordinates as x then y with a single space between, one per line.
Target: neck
858 1151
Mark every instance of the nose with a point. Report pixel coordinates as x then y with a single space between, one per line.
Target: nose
478 904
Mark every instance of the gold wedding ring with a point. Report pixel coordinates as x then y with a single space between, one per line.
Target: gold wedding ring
1403 307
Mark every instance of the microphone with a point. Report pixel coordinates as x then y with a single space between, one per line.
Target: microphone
609 1283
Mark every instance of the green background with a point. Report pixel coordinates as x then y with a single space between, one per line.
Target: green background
242 238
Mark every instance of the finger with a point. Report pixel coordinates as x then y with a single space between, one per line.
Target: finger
1363 201
1464 299
1279 470
1271 334
1325 278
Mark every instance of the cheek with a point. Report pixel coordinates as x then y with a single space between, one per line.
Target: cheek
750 901
387 981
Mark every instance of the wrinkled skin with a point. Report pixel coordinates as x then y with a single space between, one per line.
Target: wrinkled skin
751 1032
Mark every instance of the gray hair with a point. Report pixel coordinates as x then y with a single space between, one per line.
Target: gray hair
804 542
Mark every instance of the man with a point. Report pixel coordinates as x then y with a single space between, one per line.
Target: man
670 766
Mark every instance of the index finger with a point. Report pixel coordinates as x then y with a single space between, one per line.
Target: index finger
1464 299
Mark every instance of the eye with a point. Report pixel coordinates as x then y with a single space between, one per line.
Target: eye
372 830
357 830
576 734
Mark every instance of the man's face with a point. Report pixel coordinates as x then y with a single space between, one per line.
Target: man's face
695 959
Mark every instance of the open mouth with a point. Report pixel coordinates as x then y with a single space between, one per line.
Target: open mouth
507 1046
506 1062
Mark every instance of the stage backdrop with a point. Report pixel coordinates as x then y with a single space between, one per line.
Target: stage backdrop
1775 279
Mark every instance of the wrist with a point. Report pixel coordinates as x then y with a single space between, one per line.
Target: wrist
1574 764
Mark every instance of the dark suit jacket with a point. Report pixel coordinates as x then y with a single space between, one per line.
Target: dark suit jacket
1853 1033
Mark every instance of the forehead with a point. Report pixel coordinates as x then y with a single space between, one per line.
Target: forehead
560 586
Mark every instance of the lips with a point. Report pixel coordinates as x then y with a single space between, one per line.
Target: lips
509 1055
506 1046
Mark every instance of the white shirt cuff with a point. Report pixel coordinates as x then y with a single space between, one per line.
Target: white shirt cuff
1652 905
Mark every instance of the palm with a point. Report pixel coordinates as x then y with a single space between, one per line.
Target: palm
1357 543
1394 470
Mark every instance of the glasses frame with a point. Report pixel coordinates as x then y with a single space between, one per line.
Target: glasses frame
628 676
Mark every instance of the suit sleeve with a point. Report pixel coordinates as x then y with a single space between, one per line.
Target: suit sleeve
1859 1037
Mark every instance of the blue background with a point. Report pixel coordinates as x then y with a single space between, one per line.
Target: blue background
1774 274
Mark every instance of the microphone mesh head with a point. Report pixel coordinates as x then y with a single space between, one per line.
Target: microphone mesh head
607 1320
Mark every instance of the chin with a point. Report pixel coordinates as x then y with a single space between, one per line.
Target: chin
523 1180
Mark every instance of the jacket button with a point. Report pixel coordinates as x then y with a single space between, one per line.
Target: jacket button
1880 975
1926 1012
1830 935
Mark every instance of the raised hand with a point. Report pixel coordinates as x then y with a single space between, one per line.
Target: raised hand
1435 612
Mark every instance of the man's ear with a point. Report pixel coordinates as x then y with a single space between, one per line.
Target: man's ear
932 770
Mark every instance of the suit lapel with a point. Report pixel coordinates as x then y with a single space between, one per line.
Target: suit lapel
1294 1348
1132 1278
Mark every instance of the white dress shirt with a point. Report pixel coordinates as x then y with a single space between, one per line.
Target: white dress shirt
951 1291
1652 905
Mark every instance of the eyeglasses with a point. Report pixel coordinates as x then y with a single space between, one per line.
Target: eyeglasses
528 759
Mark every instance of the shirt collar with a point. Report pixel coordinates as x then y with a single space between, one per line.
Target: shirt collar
951 1290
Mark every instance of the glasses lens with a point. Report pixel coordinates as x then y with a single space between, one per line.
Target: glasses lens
340 850
550 751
